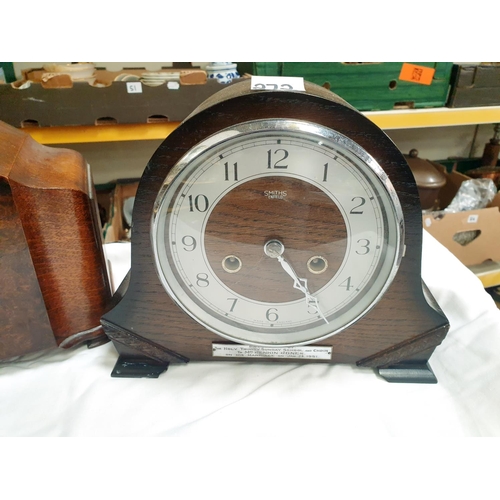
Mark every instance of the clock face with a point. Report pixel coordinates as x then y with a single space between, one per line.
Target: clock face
277 232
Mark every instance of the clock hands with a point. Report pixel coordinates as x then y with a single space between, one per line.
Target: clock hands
275 250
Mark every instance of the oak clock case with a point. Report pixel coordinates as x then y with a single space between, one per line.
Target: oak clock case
54 284
276 226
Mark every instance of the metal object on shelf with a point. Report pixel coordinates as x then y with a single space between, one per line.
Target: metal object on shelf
489 160
429 178
492 148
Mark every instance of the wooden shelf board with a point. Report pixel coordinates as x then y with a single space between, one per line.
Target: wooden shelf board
386 120
101 133
434 117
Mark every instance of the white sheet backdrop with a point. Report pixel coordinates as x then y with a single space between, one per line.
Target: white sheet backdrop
71 393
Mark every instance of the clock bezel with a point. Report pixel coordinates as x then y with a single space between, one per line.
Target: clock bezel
374 175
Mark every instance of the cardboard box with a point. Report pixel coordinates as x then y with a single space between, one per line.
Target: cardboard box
472 236
40 101
105 78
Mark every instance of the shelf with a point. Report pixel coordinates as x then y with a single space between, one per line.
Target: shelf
434 117
488 273
101 133
386 120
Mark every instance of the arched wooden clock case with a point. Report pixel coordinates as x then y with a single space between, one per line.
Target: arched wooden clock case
150 329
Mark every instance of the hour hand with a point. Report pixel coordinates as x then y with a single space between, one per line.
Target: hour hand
275 249
298 283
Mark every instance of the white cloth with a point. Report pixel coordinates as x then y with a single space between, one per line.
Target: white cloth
71 393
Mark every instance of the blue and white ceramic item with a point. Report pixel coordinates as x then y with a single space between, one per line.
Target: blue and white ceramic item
223 72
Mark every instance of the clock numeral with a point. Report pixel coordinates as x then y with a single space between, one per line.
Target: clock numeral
233 304
272 314
189 242
325 172
312 307
200 203
283 155
365 247
346 284
202 280
354 210
226 171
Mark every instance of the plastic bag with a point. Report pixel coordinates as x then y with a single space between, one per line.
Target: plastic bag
472 195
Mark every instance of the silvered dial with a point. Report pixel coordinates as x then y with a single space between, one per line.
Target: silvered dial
277 232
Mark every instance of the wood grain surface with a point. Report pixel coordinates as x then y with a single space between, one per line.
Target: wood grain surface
54 283
244 221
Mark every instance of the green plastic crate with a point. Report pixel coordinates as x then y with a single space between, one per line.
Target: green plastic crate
366 86
7 72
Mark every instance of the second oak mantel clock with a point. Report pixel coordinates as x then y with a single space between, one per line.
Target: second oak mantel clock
276 225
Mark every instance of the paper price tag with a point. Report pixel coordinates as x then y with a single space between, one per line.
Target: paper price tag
472 219
422 75
277 83
134 87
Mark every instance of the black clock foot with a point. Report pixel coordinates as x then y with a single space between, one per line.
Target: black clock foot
127 367
410 373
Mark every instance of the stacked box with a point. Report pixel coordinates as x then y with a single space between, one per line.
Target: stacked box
477 85
60 102
366 85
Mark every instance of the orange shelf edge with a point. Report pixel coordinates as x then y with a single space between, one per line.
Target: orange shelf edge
386 120
101 133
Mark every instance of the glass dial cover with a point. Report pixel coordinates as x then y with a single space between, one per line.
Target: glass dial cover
277 233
